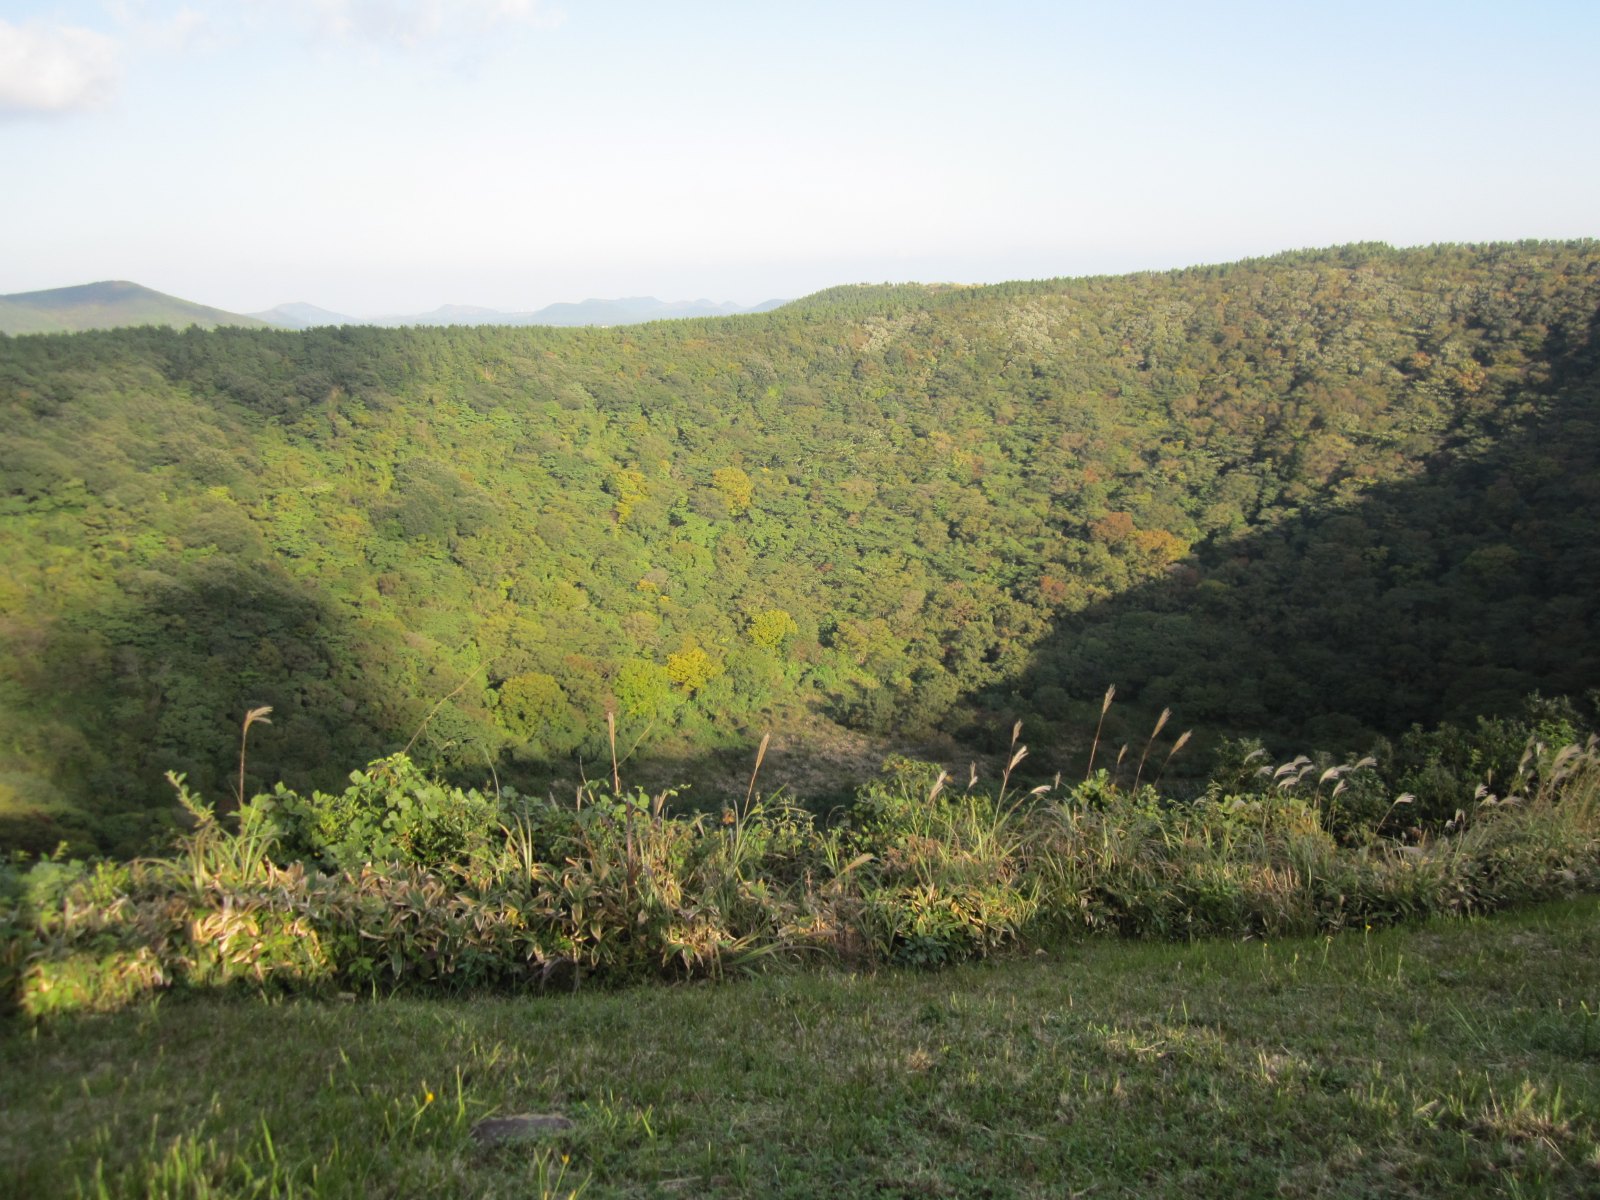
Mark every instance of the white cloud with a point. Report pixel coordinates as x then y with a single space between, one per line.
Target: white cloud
178 33
411 23
54 69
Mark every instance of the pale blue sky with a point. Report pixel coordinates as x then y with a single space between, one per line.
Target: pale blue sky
391 155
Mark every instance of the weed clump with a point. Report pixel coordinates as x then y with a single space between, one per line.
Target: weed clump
402 881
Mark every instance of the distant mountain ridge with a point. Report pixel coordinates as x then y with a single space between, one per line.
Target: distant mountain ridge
633 310
114 304
629 310
109 304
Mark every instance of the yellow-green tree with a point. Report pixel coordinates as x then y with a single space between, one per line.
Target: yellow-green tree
735 486
773 629
691 668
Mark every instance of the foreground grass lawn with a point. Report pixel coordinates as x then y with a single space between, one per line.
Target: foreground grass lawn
1452 1059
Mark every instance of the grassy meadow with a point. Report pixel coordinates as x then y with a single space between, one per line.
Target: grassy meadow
1240 993
1450 1058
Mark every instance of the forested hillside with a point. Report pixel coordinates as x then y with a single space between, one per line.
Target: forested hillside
1313 498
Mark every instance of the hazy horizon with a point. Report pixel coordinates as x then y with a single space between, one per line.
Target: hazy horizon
378 157
743 302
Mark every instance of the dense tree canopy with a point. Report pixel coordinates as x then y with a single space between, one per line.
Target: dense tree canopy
1317 497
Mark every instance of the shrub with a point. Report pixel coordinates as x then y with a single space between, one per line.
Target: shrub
391 813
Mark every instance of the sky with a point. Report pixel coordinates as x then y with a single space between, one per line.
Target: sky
389 156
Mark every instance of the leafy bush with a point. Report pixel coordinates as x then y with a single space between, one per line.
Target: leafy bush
391 813
1443 767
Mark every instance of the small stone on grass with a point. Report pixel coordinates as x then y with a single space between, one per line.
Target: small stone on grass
523 1125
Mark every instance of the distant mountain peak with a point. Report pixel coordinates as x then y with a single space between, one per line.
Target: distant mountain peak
300 315
107 304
